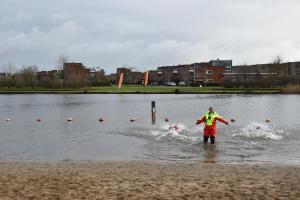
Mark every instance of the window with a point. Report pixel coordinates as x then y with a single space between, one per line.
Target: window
209 71
208 81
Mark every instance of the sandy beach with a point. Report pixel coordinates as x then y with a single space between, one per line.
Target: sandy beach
145 180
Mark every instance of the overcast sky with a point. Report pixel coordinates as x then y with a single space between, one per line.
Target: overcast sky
147 33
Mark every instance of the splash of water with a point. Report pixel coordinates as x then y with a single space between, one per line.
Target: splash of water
177 127
171 132
259 131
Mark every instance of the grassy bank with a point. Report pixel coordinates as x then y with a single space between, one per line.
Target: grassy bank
183 90
136 89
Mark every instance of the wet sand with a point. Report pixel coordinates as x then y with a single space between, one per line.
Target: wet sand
145 180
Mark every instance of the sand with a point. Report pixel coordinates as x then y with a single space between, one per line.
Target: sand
146 180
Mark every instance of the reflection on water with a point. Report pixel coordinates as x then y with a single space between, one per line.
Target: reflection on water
55 139
210 153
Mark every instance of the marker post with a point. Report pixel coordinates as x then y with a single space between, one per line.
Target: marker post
153 110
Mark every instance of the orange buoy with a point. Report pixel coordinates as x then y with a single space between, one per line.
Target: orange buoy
101 119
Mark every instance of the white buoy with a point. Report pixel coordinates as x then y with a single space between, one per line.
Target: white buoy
70 119
8 119
132 120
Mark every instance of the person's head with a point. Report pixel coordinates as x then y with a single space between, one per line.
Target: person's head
210 109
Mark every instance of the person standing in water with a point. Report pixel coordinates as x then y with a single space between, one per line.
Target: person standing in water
210 130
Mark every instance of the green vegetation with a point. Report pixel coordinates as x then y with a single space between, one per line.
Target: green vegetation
136 89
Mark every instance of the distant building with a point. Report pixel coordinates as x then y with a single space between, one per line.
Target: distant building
2 76
126 72
98 77
195 74
253 73
227 64
76 75
51 78
153 76
166 74
131 76
207 74
112 78
294 69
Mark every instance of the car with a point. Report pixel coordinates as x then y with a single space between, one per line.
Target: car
182 83
154 83
172 84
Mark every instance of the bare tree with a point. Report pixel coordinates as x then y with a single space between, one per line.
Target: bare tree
9 69
28 75
277 60
61 61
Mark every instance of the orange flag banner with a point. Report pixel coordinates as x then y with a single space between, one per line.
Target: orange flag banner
146 78
121 80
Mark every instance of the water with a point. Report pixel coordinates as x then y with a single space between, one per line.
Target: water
249 139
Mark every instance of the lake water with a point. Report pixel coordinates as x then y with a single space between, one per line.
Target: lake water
249 139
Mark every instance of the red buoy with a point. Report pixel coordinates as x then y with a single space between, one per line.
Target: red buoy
101 119
38 120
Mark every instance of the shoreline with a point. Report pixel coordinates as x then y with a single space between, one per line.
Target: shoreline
148 180
90 92
136 89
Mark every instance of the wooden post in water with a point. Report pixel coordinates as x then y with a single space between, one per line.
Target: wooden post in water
153 112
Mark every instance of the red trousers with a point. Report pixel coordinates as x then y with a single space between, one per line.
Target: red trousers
210 130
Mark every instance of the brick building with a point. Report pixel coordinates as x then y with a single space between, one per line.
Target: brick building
153 76
207 74
195 74
112 78
227 64
51 78
131 76
98 77
76 75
